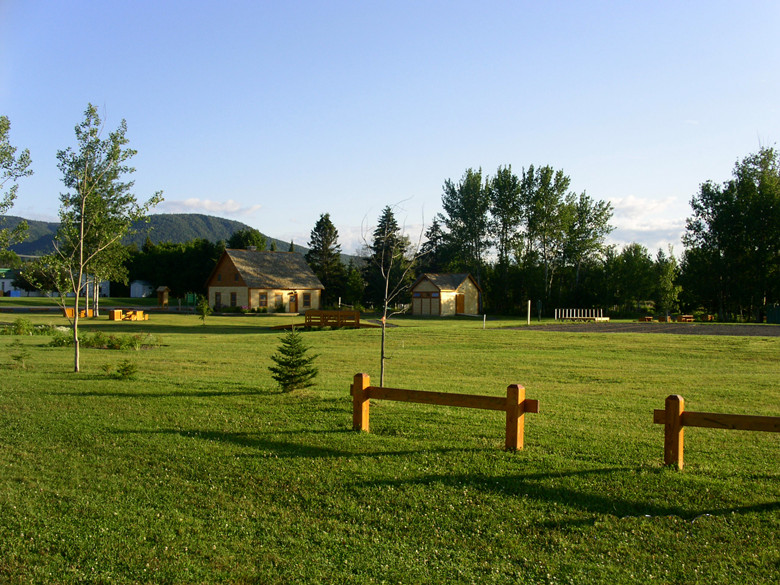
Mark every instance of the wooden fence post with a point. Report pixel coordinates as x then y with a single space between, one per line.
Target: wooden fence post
360 402
515 417
673 431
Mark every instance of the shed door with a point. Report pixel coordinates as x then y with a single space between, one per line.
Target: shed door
460 304
293 302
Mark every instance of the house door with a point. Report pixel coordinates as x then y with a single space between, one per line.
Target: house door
293 302
460 304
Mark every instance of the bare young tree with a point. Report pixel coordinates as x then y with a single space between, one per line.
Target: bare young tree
389 270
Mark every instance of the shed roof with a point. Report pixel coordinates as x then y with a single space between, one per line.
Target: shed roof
279 270
445 280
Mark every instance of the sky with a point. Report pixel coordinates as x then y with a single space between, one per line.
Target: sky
273 113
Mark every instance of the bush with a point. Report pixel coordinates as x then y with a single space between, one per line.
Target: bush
293 367
126 370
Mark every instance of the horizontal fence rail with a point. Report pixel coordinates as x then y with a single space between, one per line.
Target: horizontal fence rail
675 418
514 404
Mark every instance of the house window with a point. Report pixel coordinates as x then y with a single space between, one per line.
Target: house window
219 277
307 299
217 300
235 277
263 302
233 299
417 295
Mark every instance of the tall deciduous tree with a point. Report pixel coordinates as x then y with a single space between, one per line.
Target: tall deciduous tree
13 167
506 213
733 236
466 205
97 210
587 230
324 258
243 239
549 213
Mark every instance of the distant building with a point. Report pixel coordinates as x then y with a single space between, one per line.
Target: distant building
442 294
275 281
140 289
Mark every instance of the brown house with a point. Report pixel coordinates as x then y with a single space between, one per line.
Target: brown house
276 281
438 294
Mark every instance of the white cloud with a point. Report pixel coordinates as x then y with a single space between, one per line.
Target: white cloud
638 214
194 205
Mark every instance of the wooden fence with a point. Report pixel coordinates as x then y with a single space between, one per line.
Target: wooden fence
675 418
580 315
515 404
317 318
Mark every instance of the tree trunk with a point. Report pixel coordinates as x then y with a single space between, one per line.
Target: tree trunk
76 334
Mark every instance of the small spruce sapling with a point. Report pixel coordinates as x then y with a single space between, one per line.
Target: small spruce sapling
293 367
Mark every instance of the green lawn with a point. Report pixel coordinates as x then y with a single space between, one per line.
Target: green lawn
200 471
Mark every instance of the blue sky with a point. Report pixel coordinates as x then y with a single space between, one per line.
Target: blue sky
272 113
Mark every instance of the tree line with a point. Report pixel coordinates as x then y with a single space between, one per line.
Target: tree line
523 236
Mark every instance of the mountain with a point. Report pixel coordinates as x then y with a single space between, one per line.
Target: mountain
164 227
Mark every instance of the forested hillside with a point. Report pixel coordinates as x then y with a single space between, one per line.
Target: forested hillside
177 228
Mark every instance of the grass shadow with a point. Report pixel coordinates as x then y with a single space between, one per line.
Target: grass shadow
555 488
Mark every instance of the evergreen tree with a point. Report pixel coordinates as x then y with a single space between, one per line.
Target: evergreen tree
387 267
293 367
324 258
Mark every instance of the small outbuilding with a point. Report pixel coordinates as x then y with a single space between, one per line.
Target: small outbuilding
442 294
274 281
162 296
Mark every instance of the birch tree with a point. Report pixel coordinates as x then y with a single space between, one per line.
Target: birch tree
12 168
97 210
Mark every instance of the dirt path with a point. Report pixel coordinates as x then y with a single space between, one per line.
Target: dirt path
754 330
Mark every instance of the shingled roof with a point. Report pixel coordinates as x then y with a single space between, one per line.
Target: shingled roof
445 281
279 270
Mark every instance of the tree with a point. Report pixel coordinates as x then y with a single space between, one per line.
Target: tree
506 212
355 285
324 258
549 213
12 168
466 206
293 367
586 232
243 239
436 252
388 271
202 308
97 210
667 289
734 236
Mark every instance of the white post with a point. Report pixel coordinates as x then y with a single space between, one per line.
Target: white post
529 312
484 321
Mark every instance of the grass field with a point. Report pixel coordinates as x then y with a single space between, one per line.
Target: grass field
200 471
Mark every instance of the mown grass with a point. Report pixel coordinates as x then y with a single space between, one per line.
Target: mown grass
200 471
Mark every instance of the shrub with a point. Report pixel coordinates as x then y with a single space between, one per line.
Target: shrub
20 354
22 326
61 339
126 370
293 367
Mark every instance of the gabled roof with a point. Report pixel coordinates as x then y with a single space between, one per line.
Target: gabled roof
279 270
446 281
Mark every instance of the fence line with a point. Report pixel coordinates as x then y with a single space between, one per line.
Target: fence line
675 418
515 404
581 314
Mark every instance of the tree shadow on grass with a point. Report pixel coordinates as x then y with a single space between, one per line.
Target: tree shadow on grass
588 491
285 449
192 391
